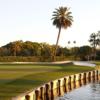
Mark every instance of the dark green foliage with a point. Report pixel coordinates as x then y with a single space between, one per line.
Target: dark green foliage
85 53
30 51
34 52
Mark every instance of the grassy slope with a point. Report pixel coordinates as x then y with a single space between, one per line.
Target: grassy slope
16 79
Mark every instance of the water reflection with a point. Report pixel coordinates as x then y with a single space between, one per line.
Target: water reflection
90 91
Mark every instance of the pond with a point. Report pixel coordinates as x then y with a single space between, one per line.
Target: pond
90 91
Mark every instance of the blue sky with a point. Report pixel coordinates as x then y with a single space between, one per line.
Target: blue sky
31 20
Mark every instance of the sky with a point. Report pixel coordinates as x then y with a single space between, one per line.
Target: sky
30 20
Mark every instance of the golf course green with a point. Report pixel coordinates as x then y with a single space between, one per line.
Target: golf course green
19 78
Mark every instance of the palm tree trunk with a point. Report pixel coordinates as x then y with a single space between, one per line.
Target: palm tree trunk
55 51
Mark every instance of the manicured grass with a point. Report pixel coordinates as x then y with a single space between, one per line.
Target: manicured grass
97 63
19 78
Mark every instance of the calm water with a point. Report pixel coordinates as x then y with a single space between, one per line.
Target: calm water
87 92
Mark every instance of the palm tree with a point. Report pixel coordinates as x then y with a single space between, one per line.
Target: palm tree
94 42
74 42
68 42
61 19
98 38
93 39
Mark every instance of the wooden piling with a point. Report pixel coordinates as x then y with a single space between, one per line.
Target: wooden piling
89 76
47 91
97 74
93 73
52 91
84 78
37 94
58 88
41 93
27 97
93 76
74 81
80 80
69 83
64 86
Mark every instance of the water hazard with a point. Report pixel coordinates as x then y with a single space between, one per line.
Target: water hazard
91 91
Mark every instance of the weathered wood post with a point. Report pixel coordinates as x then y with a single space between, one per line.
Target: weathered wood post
27 97
93 73
74 81
97 74
84 78
59 90
41 93
47 92
80 80
93 76
64 87
89 76
37 94
52 91
69 83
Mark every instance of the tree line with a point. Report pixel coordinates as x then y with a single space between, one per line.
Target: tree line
28 48
45 50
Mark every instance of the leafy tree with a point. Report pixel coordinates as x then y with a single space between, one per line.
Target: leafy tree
64 51
46 50
4 51
14 47
85 52
98 54
74 52
30 48
61 19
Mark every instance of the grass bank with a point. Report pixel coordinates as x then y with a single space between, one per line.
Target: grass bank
19 78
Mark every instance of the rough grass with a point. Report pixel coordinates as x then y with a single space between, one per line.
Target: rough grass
97 63
19 78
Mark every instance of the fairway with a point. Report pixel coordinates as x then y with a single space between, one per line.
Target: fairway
19 78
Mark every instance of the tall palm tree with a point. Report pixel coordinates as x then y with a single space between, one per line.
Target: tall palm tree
93 38
61 19
68 42
74 42
98 38
94 42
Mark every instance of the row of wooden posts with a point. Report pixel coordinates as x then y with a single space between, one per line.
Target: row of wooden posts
58 87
